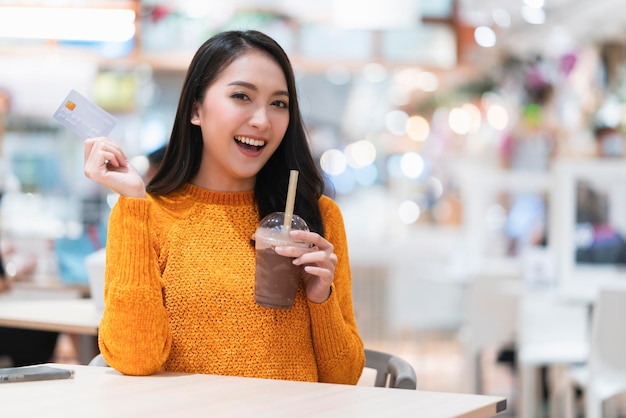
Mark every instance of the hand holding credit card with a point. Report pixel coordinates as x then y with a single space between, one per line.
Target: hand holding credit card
83 117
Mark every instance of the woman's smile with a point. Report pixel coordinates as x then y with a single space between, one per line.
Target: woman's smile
249 145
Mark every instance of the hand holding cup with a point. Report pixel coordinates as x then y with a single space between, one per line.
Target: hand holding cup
319 263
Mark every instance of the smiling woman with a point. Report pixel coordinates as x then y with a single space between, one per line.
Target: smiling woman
179 285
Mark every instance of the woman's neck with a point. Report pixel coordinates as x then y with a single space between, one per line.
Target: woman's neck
224 184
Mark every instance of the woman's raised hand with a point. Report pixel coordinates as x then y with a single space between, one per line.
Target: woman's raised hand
106 164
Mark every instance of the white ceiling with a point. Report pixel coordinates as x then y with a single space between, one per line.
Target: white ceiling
568 23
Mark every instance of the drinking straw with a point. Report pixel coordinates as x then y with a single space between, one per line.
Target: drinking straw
291 198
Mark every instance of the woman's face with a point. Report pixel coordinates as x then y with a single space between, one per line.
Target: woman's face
243 118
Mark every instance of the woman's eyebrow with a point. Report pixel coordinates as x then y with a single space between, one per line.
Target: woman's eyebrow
254 87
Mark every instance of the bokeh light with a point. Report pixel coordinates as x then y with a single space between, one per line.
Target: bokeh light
417 128
409 212
427 81
375 72
333 162
497 117
534 15
474 114
485 36
412 165
338 75
360 154
395 122
501 18
460 121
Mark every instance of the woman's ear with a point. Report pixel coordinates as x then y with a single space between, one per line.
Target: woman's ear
195 114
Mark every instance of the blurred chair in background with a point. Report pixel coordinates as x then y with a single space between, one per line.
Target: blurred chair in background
552 334
491 322
604 375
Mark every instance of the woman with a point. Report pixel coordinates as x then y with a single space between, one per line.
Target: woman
180 266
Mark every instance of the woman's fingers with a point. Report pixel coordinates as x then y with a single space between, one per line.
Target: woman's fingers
106 164
320 251
314 238
101 152
319 263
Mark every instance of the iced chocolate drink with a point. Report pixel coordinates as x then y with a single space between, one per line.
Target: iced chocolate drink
277 278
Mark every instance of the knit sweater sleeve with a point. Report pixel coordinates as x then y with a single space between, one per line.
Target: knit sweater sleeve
338 346
134 335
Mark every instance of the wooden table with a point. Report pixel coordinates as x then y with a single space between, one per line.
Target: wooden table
103 392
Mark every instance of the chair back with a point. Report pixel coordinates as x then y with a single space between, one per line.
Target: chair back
491 315
391 371
490 321
552 330
608 334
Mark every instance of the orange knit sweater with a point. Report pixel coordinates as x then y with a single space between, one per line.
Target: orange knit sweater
179 295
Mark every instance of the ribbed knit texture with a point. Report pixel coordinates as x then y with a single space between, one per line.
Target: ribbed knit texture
179 295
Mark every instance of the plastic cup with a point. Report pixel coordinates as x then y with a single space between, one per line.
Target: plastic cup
276 278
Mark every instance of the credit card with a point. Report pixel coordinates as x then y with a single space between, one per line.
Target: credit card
83 117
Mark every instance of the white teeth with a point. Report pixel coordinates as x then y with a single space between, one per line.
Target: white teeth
250 141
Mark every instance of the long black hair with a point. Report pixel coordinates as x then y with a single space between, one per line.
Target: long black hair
183 154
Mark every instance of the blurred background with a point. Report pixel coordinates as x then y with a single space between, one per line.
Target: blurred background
462 139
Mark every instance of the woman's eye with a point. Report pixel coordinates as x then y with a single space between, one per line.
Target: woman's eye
281 104
240 96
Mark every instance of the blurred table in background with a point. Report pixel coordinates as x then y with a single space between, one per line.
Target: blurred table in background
77 317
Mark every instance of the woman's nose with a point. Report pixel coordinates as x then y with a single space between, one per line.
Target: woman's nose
260 118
